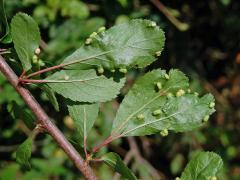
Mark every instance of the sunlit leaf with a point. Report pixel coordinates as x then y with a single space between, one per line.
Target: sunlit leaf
26 38
203 166
84 85
155 104
136 43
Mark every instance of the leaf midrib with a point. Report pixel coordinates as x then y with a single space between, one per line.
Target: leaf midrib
104 53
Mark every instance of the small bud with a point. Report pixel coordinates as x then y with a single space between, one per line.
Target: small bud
180 92
212 104
112 70
93 35
177 178
123 70
153 24
169 95
88 41
66 77
206 118
157 112
213 178
158 53
35 59
37 51
101 29
140 117
189 90
166 76
164 132
100 70
196 94
159 85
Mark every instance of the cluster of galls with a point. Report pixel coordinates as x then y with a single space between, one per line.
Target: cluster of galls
35 58
123 70
179 93
94 34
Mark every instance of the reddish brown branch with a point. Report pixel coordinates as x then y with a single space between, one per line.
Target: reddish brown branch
45 121
46 70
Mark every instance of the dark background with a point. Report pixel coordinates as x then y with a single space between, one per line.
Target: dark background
205 44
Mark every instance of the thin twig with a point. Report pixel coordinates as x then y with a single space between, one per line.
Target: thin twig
181 26
140 159
45 121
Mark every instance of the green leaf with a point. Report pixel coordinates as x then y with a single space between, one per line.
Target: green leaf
24 152
4 27
84 85
18 112
51 96
146 109
10 171
74 9
26 38
132 44
84 116
202 167
114 161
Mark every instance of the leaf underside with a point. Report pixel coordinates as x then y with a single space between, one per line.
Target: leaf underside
4 27
51 96
202 167
26 38
132 44
84 85
178 114
84 116
24 152
114 161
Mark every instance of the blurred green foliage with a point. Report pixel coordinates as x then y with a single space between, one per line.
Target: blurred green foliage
209 51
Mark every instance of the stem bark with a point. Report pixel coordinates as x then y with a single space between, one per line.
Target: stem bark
45 121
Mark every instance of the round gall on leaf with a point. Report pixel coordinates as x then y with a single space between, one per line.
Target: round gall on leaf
88 41
152 24
158 53
213 178
100 70
206 118
37 51
101 29
169 95
157 112
159 85
140 117
166 76
66 77
41 63
93 35
123 70
164 132
196 94
180 92
35 59
212 105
